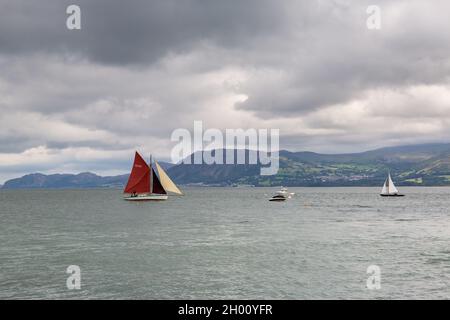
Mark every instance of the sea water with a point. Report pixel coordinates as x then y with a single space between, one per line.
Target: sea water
226 243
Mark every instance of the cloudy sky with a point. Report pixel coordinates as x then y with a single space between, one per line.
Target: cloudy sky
84 100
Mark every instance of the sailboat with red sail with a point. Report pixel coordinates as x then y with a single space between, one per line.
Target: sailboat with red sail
145 184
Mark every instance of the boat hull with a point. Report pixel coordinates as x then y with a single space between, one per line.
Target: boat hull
147 197
392 195
277 199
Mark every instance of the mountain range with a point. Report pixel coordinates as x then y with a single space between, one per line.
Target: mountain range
413 165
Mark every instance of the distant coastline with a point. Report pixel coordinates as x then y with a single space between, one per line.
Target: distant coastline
412 165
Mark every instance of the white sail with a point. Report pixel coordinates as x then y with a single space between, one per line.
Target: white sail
392 189
385 188
389 187
166 182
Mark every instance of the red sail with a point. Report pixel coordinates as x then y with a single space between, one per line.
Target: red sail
139 180
157 186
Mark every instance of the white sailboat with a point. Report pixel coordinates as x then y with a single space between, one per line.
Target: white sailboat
389 189
145 184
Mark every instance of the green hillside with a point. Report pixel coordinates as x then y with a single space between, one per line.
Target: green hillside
417 165
409 165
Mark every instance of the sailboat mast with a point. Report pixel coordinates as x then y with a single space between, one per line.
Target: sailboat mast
151 175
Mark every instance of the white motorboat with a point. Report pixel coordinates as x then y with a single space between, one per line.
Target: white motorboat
281 195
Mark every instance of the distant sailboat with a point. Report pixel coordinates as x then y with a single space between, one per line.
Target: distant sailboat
145 184
389 189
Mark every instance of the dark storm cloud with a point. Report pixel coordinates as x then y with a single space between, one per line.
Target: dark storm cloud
137 31
342 59
307 54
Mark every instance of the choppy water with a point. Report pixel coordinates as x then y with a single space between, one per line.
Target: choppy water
220 243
